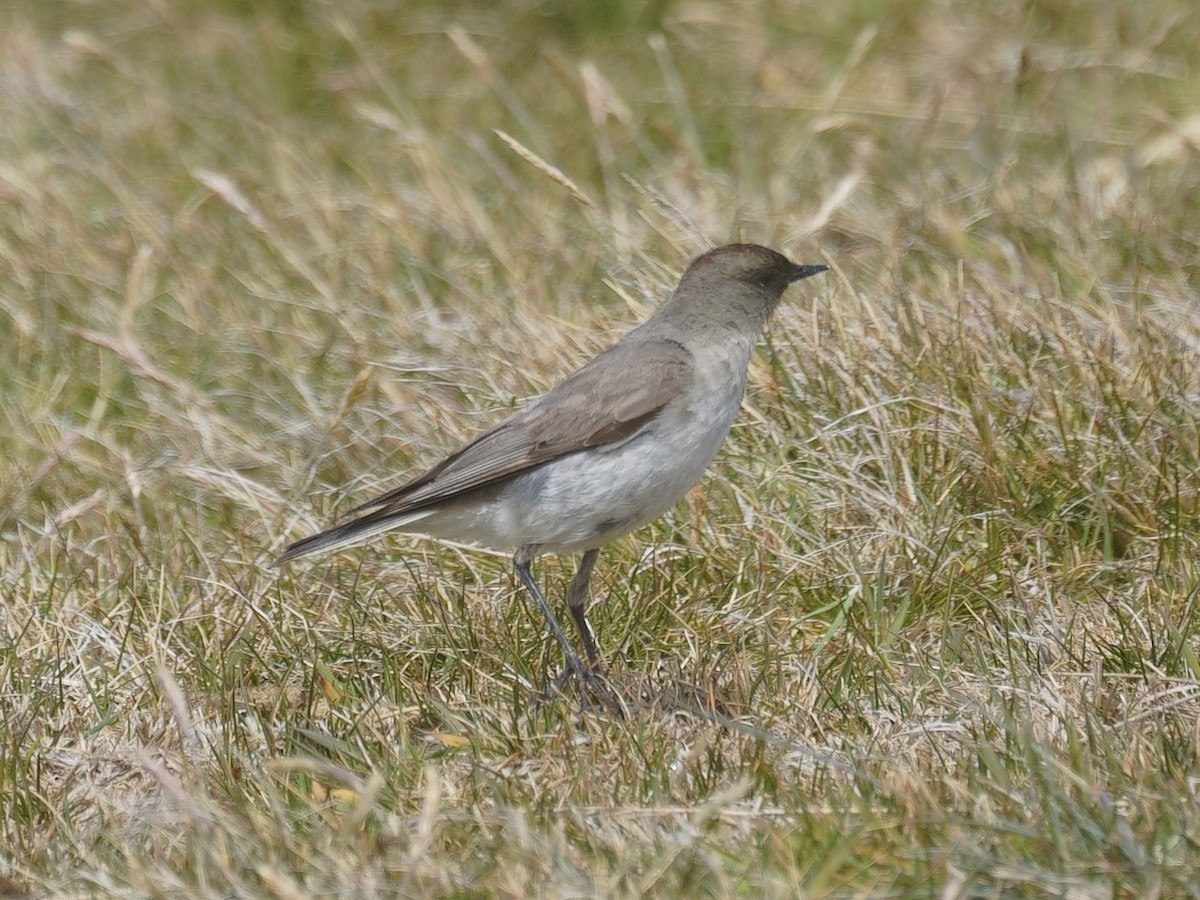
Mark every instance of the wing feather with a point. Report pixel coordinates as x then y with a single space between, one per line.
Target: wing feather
592 408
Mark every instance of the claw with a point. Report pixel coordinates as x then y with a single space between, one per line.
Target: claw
593 689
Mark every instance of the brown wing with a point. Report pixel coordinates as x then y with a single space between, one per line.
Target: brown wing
607 401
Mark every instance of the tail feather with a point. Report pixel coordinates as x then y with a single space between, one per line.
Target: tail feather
346 535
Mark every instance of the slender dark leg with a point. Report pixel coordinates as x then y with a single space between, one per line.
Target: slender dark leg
588 678
577 598
521 563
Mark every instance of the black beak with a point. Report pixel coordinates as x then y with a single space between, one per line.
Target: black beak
799 272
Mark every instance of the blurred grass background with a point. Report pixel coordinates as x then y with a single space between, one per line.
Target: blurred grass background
928 629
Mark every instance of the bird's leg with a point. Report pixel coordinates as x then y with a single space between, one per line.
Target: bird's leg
577 598
521 563
589 681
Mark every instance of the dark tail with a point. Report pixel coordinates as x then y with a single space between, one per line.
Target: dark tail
344 535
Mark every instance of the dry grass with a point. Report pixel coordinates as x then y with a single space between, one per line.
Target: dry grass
929 629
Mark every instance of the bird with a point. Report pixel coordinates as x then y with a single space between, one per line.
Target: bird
604 452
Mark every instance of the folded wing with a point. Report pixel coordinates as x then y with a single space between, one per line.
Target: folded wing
590 409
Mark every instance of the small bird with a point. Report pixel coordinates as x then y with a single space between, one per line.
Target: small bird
606 451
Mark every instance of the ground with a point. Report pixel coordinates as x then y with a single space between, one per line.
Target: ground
928 628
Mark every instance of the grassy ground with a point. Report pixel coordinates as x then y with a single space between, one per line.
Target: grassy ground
929 628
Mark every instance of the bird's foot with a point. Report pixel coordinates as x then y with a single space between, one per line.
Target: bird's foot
594 688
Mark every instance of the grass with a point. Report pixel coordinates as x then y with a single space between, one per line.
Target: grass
930 626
